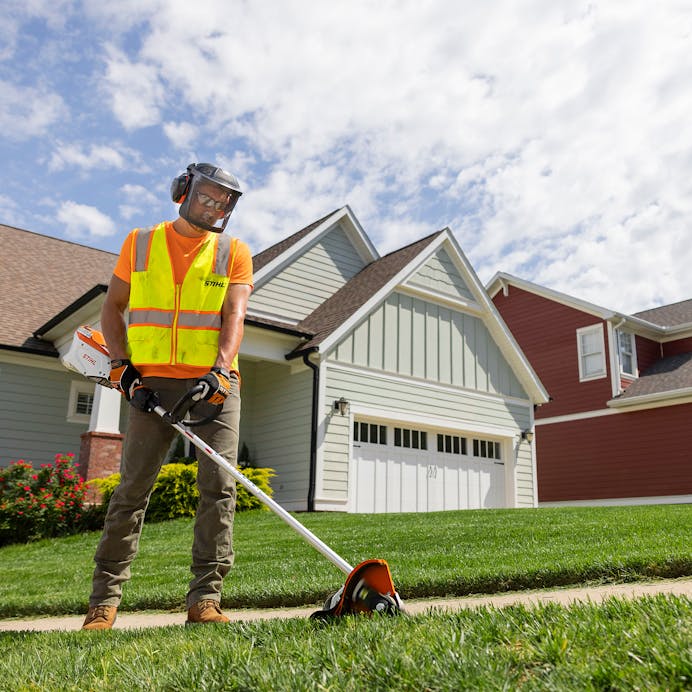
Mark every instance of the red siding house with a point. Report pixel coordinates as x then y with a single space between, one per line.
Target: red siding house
618 426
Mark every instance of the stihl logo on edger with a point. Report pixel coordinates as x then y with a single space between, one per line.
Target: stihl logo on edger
88 358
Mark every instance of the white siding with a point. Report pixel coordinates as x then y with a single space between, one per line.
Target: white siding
440 274
310 279
275 425
523 474
335 454
34 426
412 337
458 409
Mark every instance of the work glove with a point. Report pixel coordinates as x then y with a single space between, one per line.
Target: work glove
216 386
127 379
145 399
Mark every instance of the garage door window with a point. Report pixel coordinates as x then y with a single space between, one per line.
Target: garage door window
487 449
451 444
370 433
412 439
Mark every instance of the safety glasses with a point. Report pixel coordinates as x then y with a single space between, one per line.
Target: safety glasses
207 201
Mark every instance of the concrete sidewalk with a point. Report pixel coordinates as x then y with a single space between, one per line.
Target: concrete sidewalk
595 594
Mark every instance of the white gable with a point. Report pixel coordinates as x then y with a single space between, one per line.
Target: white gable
312 276
441 275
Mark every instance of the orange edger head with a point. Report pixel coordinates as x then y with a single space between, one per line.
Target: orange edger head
368 589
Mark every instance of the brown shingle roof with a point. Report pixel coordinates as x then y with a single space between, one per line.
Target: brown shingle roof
666 375
266 256
668 315
40 277
354 294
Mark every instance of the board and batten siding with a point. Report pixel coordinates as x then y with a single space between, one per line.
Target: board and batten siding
275 424
35 428
459 409
440 273
313 277
412 337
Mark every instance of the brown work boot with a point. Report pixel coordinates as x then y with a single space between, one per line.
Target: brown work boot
205 612
100 617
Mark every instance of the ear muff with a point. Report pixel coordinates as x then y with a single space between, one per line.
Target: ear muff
179 188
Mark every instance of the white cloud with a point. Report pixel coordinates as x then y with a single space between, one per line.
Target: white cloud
553 136
27 112
84 221
11 213
138 200
89 157
181 135
134 89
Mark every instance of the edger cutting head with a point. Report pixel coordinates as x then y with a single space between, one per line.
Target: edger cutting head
368 589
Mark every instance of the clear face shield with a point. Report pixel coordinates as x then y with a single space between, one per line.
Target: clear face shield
207 204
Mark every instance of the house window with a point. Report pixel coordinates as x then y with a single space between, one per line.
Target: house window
591 353
487 449
85 403
626 352
81 401
411 439
370 433
451 444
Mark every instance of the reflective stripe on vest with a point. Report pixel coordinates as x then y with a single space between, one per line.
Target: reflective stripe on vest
173 323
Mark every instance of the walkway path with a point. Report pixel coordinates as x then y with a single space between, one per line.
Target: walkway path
681 587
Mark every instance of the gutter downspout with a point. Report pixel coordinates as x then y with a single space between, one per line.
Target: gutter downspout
313 427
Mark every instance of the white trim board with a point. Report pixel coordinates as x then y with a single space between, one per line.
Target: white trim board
420 420
610 502
474 393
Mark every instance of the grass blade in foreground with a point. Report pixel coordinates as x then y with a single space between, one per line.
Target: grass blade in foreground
644 644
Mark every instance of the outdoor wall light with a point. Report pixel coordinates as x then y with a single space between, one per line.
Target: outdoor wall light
341 405
527 435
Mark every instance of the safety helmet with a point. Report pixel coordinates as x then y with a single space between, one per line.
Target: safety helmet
207 195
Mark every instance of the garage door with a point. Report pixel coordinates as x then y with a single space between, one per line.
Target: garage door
400 469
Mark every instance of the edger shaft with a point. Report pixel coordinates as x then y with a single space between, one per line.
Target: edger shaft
260 495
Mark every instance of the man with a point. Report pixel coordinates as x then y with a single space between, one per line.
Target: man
186 285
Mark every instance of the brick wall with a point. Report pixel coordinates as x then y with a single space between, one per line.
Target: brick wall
99 456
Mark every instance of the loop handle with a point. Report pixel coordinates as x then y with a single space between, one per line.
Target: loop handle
183 406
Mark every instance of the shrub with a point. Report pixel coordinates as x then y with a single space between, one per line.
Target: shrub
40 503
261 477
175 491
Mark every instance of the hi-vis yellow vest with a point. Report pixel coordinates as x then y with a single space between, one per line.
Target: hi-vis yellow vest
173 323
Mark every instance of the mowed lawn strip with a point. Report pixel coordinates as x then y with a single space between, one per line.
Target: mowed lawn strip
618 645
435 554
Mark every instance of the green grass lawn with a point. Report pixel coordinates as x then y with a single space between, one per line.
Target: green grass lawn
617 645
437 554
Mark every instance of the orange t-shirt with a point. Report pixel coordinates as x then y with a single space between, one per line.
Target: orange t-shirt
182 251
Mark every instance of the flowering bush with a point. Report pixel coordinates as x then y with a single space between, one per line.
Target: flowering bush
40 503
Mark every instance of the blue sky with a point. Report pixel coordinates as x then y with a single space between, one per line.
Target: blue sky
553 137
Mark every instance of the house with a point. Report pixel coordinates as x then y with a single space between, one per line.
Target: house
370 384
617 428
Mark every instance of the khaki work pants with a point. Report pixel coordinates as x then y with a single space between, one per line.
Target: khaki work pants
146 442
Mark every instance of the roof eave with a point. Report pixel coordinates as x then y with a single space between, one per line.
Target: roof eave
670 396
29 349
83 300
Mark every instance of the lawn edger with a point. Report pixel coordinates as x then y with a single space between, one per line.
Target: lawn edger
368 588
